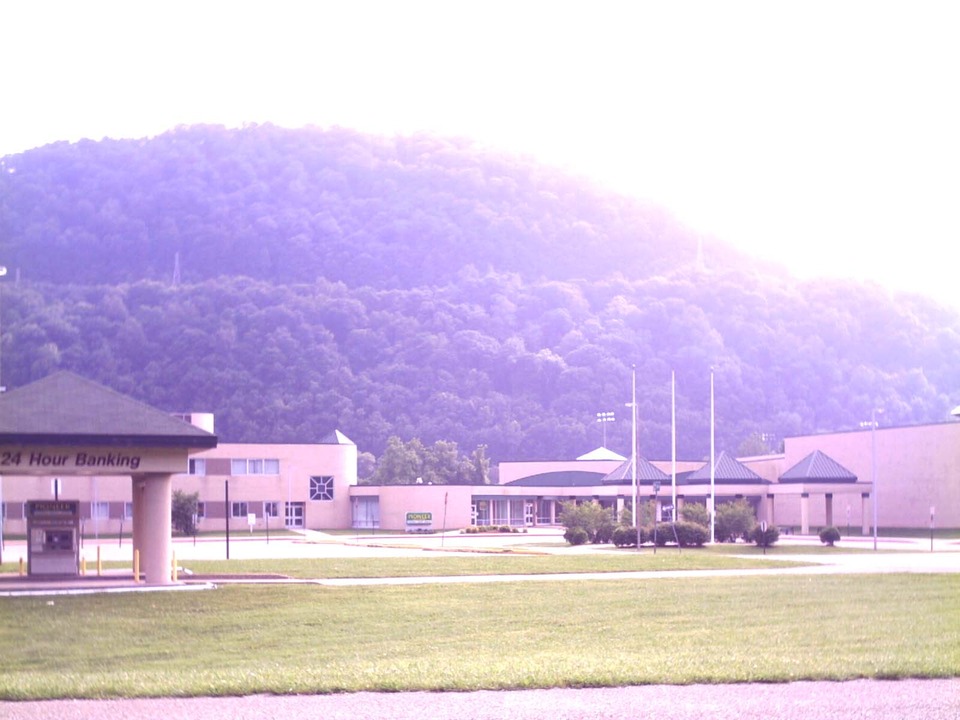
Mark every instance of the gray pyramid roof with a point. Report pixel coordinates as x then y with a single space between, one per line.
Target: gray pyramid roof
66 409
818 467
726 470
647 473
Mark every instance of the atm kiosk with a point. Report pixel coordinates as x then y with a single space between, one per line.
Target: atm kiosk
53 532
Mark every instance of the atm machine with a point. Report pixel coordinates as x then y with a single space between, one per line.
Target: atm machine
53 532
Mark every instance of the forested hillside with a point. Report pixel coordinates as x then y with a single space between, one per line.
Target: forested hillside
419 287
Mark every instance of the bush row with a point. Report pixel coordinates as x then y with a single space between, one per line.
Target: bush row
492 529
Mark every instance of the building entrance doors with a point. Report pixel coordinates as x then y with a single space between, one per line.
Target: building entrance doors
294 515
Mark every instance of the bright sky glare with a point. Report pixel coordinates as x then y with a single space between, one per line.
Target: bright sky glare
823 135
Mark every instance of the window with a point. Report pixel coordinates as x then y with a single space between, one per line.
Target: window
127 510
201 510
321 487
238 510
255 466
271 509
100 511
197 466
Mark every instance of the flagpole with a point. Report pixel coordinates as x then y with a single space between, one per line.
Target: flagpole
633 453
673 439
713 467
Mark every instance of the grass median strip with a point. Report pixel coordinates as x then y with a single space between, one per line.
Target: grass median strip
433 565
306 639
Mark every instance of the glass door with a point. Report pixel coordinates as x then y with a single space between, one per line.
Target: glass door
294 514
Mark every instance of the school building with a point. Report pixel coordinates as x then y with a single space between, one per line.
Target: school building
115 466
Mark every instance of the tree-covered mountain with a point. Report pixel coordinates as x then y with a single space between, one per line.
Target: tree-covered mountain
420 287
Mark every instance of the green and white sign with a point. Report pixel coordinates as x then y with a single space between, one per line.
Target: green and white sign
419 518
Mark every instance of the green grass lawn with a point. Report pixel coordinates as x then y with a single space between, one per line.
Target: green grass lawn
308 639
434 564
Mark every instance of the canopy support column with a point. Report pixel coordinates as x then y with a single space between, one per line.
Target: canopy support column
153 527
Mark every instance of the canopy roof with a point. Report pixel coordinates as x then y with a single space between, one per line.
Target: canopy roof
66 409
727 470
818 467
647 473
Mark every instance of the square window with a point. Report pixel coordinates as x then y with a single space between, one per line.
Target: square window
100 510
238 467
321 487
197 466
271 466
271 509
128 511
238 510
255 467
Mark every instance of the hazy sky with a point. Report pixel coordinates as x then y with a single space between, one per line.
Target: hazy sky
822 135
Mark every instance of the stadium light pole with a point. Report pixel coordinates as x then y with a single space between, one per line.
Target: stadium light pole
603 418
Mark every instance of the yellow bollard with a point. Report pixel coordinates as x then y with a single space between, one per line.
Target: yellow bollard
99 563
173 570
136 566
22 571
83 565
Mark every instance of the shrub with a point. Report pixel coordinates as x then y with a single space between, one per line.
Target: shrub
689 534
734 520
765 538
590 516
829 536
604 533
624 536
183 509
503 529
576 536
695 512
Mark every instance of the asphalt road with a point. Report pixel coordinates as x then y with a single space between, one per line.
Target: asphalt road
855 700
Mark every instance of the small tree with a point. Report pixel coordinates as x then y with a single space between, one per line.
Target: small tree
589 516
183 510
829 536
734 520
695 512
765 538
575 536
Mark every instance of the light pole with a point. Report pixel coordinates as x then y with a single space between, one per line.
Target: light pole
3 271
603 418
873 465
713 466
633 450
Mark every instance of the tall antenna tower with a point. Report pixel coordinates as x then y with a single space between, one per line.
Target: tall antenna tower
176 269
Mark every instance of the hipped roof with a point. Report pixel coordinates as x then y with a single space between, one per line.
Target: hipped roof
818 467
66 409
727 470
647 473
